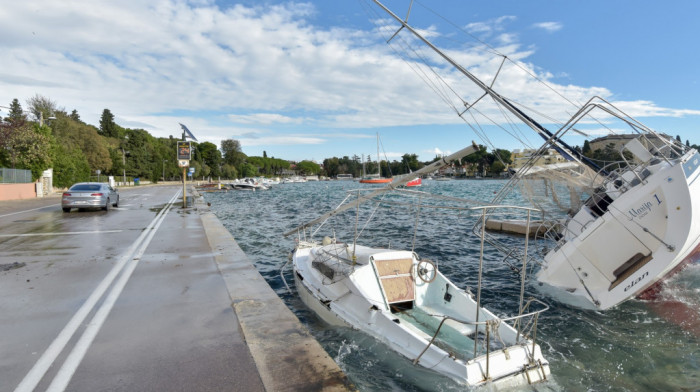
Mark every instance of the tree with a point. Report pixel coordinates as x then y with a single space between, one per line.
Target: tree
248 170
308 167
210 156
77 134
75 116
107 126
41 107
231 149
69 166
16 114
24 147
586 148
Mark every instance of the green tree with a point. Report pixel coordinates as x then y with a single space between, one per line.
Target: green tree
16 114
77 134
586 148
248 170
75 116
41 107
232 153
211 156
69 166
308 167
107 126
26 147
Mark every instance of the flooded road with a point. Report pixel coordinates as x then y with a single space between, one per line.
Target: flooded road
126 299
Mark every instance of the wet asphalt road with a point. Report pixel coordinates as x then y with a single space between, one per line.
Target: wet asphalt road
74 317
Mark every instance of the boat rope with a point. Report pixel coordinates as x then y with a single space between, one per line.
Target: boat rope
415 225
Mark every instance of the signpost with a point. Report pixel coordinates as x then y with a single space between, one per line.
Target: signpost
184 154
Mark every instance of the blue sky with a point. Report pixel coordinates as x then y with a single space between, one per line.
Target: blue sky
312 80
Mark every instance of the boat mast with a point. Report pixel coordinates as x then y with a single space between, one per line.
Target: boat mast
543 132
379 160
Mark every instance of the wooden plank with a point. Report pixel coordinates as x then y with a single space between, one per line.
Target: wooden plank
394 267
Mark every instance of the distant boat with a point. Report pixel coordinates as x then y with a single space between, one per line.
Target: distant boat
344 177
376 178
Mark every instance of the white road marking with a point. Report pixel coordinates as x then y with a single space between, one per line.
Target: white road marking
33 209
67 233
37 372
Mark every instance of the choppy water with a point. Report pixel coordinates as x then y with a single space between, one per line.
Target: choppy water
639 346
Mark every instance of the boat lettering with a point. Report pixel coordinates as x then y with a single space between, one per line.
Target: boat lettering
657 198
643 210
639 279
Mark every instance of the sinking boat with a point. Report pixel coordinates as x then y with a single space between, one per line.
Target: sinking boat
404 301
622 227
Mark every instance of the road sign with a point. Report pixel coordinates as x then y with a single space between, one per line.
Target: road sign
184 150
191 170
183 163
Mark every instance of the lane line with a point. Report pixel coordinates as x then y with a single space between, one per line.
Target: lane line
37 372
33 209
70 365
54 234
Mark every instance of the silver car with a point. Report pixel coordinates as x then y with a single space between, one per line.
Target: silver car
90 195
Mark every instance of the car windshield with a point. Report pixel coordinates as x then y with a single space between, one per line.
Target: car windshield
86 187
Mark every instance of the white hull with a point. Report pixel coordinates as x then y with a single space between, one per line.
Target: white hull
360 297
645 234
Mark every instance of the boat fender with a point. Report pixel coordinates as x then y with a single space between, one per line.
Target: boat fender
327 241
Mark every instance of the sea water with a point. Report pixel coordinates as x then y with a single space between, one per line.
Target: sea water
637 346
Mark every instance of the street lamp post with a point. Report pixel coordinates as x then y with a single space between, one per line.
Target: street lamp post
123 167
126 137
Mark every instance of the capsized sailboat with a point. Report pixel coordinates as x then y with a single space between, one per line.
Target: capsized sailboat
405 302
615 230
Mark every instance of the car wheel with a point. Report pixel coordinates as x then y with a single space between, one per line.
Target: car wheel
66 209
106 207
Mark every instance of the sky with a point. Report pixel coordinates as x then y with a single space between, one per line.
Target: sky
316 79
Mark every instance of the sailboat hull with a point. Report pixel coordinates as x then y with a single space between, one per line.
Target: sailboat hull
358 296
645 235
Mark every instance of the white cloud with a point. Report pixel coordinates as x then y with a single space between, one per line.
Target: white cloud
266 73
549 27
265 118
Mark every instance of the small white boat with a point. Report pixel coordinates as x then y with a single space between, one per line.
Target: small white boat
405 302
248 184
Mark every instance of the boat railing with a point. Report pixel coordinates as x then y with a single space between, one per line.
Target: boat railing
525 332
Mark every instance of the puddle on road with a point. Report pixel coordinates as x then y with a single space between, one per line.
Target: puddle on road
11 266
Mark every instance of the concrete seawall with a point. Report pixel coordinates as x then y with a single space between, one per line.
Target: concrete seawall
287 357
